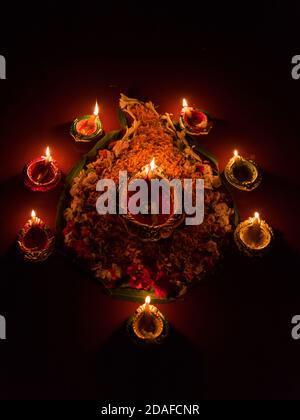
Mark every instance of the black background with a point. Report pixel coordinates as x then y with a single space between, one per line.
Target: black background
232 338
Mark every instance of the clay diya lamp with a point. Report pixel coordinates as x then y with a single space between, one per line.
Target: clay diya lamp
87 128
253 236
194 121
42 174
148 325
242 173
35 240
152 225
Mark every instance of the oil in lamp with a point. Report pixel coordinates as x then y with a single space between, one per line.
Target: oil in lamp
253 236
148 325
242 173
194 121
42 173
35 240
88 127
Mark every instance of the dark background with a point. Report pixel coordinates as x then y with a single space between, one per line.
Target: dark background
231 337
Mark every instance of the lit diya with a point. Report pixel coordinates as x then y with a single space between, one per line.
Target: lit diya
148 325
88 127
157 220
42 173
253 236
242 173
35 240
194 121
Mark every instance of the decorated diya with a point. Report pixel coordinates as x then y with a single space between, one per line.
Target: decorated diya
194 121
88 127
242 173
253 236
35 240
42 174
153 225
136 254
147 325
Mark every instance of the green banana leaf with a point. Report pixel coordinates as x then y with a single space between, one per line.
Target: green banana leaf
122 118
135 295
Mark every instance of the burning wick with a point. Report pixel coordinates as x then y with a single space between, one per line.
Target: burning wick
186 108
150 168
236 155
96 110
47 160
91 121
147 304
256 219
34 219
237 159
95 113
184 103
48 157
147 320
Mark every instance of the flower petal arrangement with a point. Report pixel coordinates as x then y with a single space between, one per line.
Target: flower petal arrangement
118 255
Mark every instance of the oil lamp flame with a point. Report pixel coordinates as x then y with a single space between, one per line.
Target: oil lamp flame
184 103
152 164
147 300
150 167
48 155
96 110
235 153
34 219
256 216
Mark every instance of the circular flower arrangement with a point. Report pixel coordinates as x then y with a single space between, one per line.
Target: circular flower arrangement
127 263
